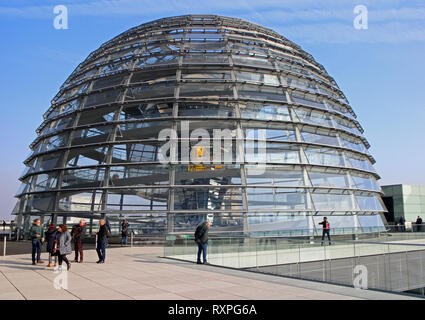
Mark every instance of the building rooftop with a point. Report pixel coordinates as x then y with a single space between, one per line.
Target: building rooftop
140 273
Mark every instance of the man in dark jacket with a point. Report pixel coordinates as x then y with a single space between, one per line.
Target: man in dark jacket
419 224
124 232
326 229
36 234
201 238
78 233
102 241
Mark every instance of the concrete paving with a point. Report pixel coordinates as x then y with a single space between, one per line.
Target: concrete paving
140 273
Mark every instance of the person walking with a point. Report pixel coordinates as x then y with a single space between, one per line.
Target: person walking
201 238
326 229
78 234
124 232
52 238
36 234
102 241
64 246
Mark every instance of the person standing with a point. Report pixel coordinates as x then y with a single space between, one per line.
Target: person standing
78 234
4 225
326 229
36 234
52 238
124 231
402 224
419 224
102 241
201 238
64 246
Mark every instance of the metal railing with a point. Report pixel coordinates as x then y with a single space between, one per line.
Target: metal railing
392 266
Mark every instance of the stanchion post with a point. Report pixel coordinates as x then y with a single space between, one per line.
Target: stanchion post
4 245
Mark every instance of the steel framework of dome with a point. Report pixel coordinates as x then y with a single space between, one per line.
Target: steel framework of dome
99 151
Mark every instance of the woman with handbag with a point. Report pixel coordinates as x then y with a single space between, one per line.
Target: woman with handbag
52 237
64 245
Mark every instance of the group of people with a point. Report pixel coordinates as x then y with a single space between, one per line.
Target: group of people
417 226
58 241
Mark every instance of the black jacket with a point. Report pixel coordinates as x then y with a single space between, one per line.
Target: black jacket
103 234
78 232
51 235
201 233
324 223
124 229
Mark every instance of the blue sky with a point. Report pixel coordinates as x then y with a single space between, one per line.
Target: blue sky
380 69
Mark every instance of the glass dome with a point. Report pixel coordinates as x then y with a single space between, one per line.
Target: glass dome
202 116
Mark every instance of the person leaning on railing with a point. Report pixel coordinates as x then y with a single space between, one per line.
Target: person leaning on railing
201 238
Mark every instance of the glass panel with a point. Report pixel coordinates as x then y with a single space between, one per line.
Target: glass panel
152 77
91 135
324 156
141 130
194 109
146 110
312 116
308 100
46 182
98 115
87 156
346 125
359 162
269 79
102 98
245 60
274 175
138 199
319 137
139 175
277 152
370 221
261 92
62 123
138 152
330 199
320 178
52 143
207 174
218 198
49 161
353 143
274 198
206 74
83 201
205 89
83 178
159 90
369 202
108 82
194 58
264 112
365 182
